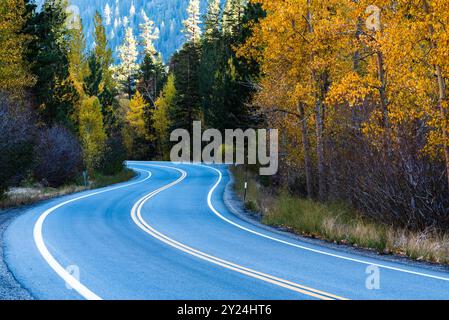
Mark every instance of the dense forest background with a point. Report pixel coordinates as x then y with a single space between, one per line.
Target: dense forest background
357 91
167 15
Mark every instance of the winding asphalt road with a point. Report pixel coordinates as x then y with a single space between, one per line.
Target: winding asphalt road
168 234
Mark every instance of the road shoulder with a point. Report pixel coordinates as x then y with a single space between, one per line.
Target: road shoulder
10 288
237 208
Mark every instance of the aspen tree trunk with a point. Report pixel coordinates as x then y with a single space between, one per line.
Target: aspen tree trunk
319 111
441 99
442 96
384 104
383 99
382 90
356 58
306 150
355 122
320 149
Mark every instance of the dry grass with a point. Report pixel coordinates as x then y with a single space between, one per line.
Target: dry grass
336 222
16 197
426 246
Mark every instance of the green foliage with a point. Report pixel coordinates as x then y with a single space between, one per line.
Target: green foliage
103 55
78 66
160 116
135 115
91 132
137 137
48 54
185 68
333 221
152 78
114 154
102 180
226 82
151 81
99 81
212 20
93 80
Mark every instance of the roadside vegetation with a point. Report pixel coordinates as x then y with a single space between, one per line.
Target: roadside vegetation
337 222
68 107
29 192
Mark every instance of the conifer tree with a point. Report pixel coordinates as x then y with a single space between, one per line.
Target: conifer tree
212 20
232 15
100 82
185 68
48 54
128 67
149 34
192 24
152 77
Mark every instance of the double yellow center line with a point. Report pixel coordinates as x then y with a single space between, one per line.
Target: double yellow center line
141 223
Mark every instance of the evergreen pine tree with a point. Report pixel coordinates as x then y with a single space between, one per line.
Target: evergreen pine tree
225 80
185 68
127 70
233 15
192 24
212 21
103 55
149 34
94 79
49 56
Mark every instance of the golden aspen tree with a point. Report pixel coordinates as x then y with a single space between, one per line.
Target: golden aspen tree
437 22
160 115
303 38
14 74
136 115
368 78
390 79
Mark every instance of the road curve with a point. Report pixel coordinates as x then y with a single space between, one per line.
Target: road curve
168 234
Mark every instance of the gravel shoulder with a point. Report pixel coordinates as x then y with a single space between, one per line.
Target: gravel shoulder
235 205
10 289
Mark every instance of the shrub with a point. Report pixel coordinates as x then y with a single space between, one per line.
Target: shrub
58 156
16 142
114 154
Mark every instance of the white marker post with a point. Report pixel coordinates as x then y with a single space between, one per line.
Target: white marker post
246 184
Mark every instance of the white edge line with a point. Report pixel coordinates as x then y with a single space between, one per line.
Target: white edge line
209 202
51 261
